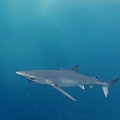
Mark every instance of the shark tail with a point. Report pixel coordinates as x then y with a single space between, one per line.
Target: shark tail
107 84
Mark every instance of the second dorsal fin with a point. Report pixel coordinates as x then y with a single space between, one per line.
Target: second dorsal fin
75 68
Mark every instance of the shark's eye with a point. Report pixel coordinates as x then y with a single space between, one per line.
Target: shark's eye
32 78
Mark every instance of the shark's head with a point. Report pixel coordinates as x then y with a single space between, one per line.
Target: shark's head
33 76
26 74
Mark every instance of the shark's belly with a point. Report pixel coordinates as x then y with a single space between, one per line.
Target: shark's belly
67 83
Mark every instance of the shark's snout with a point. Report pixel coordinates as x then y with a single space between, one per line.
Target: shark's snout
21 73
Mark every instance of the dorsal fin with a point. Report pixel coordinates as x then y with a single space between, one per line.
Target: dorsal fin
75 68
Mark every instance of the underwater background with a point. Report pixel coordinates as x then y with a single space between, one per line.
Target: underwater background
53 34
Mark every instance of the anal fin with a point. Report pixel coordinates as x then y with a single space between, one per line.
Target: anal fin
91 86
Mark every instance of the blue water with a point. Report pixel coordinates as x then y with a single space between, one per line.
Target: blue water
49 34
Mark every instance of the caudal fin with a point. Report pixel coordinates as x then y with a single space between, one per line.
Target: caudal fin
107 84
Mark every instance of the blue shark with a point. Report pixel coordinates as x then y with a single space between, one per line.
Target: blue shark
65 78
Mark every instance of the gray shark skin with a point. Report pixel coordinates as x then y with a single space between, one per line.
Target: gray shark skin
65 78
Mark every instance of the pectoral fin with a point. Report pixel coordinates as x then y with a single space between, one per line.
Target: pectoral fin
62 91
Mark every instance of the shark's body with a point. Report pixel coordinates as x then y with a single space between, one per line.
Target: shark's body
65 78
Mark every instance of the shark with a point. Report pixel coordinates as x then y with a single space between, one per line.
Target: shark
61 78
